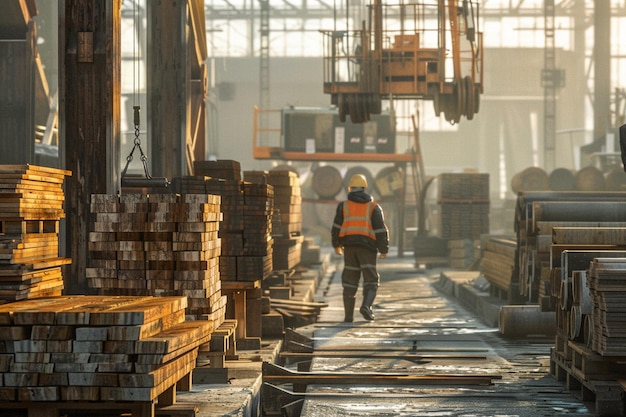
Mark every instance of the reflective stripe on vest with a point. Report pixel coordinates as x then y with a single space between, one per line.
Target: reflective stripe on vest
357 219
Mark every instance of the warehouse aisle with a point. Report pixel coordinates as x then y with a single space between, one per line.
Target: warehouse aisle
420 332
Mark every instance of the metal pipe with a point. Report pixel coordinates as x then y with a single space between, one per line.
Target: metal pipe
522 320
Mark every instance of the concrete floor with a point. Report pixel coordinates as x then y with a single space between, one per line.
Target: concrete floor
412 314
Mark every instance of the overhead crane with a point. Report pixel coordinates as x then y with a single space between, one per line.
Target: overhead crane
415 50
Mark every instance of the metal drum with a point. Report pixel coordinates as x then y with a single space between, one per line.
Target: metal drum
590 179
561 179
327 182
530 179
521 320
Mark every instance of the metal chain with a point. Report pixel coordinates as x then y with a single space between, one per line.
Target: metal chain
137 145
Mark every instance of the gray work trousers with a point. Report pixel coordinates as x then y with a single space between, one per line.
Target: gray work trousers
359 260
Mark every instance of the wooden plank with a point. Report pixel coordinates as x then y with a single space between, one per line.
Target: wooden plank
139 388
189 333
139 313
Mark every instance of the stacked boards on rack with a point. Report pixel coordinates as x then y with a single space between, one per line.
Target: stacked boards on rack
31 207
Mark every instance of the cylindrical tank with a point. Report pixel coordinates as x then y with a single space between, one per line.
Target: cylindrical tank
327 181
590 178
522 320
575 330
561 179
530 179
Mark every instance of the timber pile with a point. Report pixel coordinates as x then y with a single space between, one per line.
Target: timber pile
607 284
498 265
538 212
245 228
96 348
589 353
256 260
462 252
31 206
287 225
224 168
464 200
158 245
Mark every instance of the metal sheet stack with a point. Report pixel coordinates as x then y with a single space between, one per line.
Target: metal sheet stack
287 225
464 200
31 206
96 348
158 244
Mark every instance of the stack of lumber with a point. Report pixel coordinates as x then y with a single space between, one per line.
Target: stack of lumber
461 253
464 200
287 225
572 252
158 244
607 284
538 212
224 168
588 276
245 228
256 260
498 264
96 348
31 206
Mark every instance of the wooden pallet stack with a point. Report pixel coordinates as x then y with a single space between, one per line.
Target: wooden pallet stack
31 207
464 201
287 225
97 351
158 244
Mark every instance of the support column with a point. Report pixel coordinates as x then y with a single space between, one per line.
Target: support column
89 118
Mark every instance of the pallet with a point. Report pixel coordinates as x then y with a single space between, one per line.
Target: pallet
607 395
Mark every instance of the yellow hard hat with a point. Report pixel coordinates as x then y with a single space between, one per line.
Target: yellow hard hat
358 181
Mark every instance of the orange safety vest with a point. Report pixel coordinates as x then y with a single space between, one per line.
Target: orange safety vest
357 219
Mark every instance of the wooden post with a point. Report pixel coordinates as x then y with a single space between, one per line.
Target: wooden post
176 85
240 313
166 74
89 115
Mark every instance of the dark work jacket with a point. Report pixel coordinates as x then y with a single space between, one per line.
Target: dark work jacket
381 244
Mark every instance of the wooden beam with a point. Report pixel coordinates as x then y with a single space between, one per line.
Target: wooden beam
89 110
166 76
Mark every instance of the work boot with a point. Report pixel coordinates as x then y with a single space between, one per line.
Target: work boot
369 294
348 306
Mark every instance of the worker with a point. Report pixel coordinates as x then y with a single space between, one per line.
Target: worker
359 233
